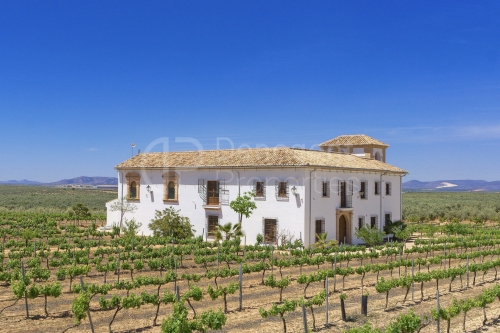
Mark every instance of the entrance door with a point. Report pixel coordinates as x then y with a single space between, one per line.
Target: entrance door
342 236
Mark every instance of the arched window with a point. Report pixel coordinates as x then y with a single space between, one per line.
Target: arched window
171 186
133 190
133 185
171 191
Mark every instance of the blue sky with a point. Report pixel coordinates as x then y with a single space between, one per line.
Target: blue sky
81 80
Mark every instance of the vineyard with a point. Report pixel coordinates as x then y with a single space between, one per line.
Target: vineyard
69 278
56 202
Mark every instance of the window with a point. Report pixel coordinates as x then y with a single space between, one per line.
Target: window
377 188
281 190
361 222
171 191
345 190
212 223
319 228
171 186
133 190
363 190
387 188
373 221
212 192
325 189
387 219
377 156
133 186
260 190
270 230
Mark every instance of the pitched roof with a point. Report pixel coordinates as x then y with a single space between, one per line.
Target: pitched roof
254 158
353 140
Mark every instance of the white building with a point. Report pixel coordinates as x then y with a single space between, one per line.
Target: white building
344 186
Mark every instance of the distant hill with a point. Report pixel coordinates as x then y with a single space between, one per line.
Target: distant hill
452 185
83 180
20 182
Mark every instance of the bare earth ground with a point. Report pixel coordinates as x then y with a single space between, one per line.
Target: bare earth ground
13 319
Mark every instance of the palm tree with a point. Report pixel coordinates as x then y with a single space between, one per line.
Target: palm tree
228 231
322 242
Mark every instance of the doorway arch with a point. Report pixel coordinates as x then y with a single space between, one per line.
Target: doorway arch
342 235
344 226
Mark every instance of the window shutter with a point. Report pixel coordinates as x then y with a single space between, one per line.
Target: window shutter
327 189
277 187
264 188
323 226
338 187
286 189
350 189
390 188
366 190
255 187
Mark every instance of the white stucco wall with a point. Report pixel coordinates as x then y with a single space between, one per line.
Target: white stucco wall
290 213
296 215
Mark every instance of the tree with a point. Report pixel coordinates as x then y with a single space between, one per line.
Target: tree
123 206
371 236
228 231
170 223
131 228
81 212
243 205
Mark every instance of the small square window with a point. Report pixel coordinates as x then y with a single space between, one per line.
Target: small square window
361 222
259 190
325 189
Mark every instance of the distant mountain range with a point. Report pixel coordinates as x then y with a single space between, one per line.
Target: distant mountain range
452 185
83 180
412 185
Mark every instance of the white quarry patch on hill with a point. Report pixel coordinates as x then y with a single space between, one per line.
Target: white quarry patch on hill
445 185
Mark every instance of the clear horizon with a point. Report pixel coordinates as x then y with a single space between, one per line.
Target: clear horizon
82 81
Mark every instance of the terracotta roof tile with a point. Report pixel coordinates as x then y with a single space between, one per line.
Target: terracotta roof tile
258 157
353 140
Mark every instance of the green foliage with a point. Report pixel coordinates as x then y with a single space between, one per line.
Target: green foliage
178 322
81 212
280 310
131 228
80 306
228 232
243 205
259 239
405 323
323 243
51 200
450 205
170 223
371 236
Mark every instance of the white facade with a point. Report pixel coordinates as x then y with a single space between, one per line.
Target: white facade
297 213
